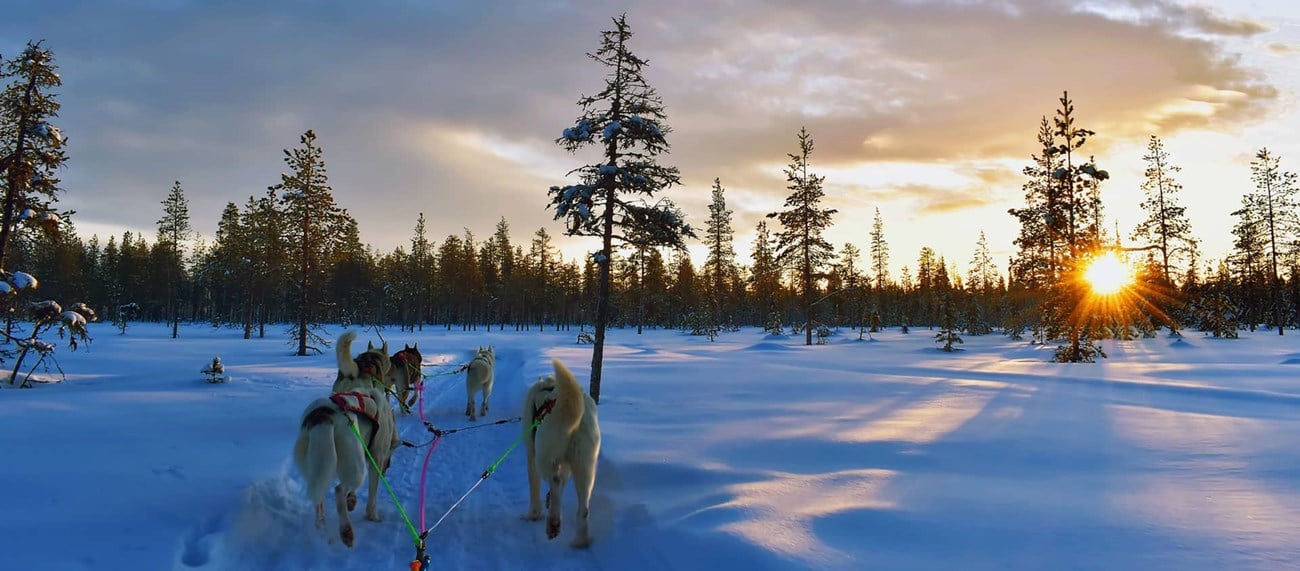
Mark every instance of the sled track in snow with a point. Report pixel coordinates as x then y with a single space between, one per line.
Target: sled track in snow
272 528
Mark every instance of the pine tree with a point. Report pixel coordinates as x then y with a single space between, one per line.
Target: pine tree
31 149
948 326
879 252
1038 262
799 244
1081 229
418 274
627 120
1270 213
766 278
173 230
721 262
542 260
851 279
1166 225
314 225
503 260
265 242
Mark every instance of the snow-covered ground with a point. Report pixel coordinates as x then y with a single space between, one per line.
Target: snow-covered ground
749 453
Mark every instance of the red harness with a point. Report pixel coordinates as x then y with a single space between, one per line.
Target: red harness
360 403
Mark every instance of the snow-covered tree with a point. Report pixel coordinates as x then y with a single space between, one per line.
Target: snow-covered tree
626 120
31 148
799 244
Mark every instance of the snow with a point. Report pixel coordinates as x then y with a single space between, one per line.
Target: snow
74 319
23 280
611 129
753 452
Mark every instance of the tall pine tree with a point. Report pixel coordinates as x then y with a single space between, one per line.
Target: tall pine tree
1272 211
1166 226
720 265
799 244
314 225
626 119
173 230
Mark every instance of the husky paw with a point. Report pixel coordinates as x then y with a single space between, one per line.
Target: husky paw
346 534
580 542
552 528
534 515
374 516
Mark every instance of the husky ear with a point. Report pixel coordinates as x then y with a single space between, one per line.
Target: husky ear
416 346
370 346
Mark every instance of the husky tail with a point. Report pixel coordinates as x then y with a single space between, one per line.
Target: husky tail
569 399
315 453
343 350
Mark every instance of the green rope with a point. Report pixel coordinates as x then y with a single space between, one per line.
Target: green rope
415 535
486 473
493 467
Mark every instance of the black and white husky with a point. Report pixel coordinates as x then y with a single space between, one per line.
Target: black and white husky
334 435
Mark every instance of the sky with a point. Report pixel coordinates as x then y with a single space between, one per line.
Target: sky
924 109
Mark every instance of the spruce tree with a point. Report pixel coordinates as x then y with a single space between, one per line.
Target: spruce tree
418 274
1270 212
799 244
851 279
766 278
1080 226
314 223
879 252
722 256
173 230
1166 226
626 119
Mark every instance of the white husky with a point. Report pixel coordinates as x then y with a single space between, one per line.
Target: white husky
328 448
567 440
478 378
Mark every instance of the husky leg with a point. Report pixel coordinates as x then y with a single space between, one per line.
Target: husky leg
534 486
584 477
345 525
469 405
554 497
320 515
372 506
487 394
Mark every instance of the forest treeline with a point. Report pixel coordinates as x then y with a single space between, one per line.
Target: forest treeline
293 255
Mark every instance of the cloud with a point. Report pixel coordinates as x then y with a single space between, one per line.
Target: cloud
452 108
1283 49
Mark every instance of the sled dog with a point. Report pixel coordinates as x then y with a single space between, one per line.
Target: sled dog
566 441
334 436
368 370
405 375
478 378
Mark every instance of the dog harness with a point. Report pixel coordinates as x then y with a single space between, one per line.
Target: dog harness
540 412
359 403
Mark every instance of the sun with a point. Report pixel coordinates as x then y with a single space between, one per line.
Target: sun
1107 275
